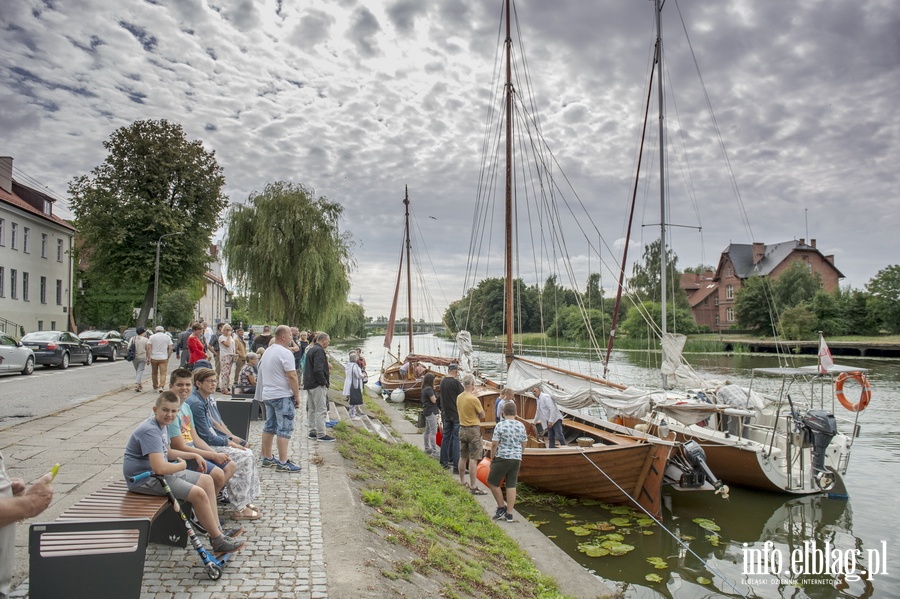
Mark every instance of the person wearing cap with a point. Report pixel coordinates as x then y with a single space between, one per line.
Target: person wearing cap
159 349
450 390
140 344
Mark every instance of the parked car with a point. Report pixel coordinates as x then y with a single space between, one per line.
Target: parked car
105 344
129 333
15 357
58 348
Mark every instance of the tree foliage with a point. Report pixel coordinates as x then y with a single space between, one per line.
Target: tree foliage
176 308
153 182
884 301
753 306
570 324
678 319
286 253
796 285
350 322
798 322
645 282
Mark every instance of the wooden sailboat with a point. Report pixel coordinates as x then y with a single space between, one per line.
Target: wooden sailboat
610 463
403 379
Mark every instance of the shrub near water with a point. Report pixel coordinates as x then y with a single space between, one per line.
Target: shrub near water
429 513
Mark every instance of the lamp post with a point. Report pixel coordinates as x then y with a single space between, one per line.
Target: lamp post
156 276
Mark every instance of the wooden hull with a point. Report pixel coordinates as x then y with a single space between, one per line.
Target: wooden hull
391 379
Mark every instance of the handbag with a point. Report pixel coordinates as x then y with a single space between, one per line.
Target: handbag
129 357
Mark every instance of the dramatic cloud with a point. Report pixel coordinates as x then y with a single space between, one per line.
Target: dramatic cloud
360 99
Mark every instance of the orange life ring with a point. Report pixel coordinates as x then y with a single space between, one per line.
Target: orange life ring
864 397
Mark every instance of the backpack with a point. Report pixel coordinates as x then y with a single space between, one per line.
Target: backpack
129 357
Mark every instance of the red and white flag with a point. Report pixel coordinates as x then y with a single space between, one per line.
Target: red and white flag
825 359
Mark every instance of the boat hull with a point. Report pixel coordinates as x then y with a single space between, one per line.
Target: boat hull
391 379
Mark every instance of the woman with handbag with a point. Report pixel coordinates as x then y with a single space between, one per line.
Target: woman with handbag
430 410
353 384
137 351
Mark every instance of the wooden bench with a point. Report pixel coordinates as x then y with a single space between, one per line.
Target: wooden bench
97 547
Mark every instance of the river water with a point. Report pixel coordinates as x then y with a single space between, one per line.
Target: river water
759 534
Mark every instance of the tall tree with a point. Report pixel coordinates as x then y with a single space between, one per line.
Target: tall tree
884 298
285 252
154 182
645 277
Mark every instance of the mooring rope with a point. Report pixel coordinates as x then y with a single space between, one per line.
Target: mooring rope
660 524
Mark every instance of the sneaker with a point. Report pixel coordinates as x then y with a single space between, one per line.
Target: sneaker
509 516
313 435
500 514
287 466
227 544
327 439
268 462
195 522
222 497
331 423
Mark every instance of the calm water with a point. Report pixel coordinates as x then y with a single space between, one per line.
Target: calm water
754 528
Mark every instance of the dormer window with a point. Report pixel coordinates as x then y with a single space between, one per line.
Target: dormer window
48 207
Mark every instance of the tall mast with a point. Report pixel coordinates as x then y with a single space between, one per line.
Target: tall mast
409 322
509 203
662 165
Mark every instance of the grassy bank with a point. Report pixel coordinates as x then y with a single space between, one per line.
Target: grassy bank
416 505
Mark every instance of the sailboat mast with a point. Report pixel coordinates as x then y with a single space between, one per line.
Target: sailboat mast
509 203
662 166
409 322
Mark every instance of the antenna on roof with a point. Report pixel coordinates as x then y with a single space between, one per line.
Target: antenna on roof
806 220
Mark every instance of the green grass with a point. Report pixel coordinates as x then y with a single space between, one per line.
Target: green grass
429 513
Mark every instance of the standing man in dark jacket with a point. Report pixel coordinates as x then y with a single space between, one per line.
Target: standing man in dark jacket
315 382
450 390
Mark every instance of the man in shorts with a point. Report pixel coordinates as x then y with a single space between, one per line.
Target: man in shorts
506 450
471 413
148 449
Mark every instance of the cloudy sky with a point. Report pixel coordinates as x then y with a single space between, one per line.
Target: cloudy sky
357 99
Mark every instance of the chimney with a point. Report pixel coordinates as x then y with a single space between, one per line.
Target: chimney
830 259
6 173
802 241
812 243
759 251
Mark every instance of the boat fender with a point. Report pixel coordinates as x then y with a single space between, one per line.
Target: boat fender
865 395
483 469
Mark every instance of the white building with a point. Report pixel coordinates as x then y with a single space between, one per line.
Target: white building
215 305
35 259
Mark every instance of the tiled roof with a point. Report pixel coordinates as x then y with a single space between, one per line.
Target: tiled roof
14 200
741 256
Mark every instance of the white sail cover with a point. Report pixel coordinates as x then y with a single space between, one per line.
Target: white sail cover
464 343
676 372
575 392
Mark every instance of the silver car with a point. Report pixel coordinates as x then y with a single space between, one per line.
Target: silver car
14 357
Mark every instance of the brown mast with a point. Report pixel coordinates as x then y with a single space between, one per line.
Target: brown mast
509 204
409 323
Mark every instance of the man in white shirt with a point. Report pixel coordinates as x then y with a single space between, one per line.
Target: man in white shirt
277 387
159 347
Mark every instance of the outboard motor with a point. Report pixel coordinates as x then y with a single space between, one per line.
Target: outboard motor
819 427
696 457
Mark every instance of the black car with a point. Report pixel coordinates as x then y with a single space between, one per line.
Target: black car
106 344
58 348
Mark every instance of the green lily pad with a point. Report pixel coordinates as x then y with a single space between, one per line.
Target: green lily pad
620 521
617 548
539 523
702 580
645 522
707 524
614 537
604 526
658 563
647 533
594 551
562 515
579 531
714 540
621 510
686 538
653 578
591 502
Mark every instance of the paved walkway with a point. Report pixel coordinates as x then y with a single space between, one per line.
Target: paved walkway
284 555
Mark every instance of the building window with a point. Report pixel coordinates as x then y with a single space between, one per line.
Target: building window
729 315
13 283
43 245
25 286
717 320
48 207
43 290
809 267
40 325
2 279
2 231
58 292
716 301
52 325
14 235
26 237
729 291
59 250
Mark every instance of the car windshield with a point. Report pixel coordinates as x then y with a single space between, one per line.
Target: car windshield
41 336
92 334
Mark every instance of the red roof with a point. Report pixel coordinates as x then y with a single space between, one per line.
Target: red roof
14 200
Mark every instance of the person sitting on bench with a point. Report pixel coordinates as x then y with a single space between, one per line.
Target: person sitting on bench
147 449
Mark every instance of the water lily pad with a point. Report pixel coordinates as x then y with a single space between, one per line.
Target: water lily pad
620 521
572 521
579 531
594 551
714 540
658 563
606 506
538 523
686 538
647 533
591 502
653 578
645 522
614 537
707 524
621 510
604 526
702 580
562 515
620 549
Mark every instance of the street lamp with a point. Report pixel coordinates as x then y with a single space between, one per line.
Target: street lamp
156 276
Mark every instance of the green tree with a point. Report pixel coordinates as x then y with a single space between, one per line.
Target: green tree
858 319
176 308
635 325
285 251
796 285
154 182
798 322
829 313
570 324
753 305
350 322
645 278
884 298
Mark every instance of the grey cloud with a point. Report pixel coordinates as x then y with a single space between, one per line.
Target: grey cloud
363 30
313 29
404 12
148 42
243 14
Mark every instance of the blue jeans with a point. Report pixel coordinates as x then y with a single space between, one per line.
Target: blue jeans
556 434
450 443
279 417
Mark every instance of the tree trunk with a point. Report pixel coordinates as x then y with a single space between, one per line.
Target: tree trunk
145 307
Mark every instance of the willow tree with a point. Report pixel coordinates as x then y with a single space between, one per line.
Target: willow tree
285 252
